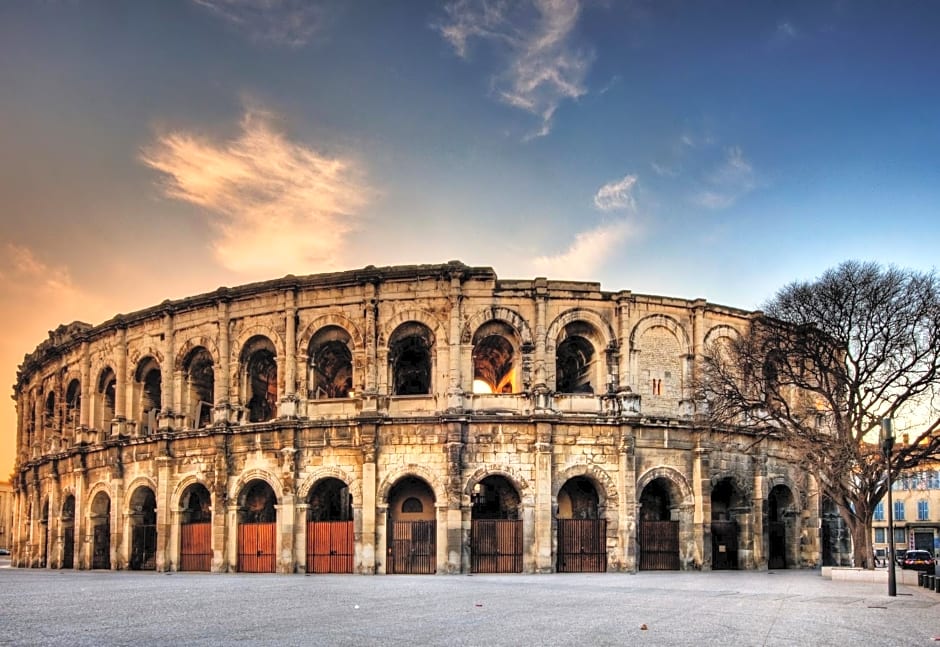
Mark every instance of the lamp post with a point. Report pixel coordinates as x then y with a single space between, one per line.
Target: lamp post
887 444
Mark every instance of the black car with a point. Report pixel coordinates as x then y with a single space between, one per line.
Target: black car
919 560
4 551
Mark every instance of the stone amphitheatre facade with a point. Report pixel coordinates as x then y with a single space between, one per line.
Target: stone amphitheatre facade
415 419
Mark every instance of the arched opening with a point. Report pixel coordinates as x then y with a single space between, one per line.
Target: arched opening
726 502
495 527
73 404
68 532
199 388
149 385
836 540
107 385
780 527
44 535
100 521
257 528
410 359
658 532
412 542
330 362
330 538
195 529
48 413
142 518
259 359
582 529
494 359
574 365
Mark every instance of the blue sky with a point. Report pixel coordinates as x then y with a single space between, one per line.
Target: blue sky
153 150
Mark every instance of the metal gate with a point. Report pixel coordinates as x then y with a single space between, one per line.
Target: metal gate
724 545
196 546
68 547
256 542
144 548
777 540
330 547
659 545
413 547
496 546
101 548
582 545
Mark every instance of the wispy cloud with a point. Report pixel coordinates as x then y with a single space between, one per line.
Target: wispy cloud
542 66
733 178
784 32
278 205
589 251
290 23
616 195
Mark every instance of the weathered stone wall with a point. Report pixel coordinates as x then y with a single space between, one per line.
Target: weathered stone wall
104 479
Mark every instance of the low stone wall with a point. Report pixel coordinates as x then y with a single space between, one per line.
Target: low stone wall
877 576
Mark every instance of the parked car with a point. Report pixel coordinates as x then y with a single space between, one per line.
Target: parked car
4 551
899 557
919 560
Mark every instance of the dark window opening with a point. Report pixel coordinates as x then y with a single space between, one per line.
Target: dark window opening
582 498
330 364
411 504
656 502
258 503
262 379
330 500
410 358
200 387
493 365
574 360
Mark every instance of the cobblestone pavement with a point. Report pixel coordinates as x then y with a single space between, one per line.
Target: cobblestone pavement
40 607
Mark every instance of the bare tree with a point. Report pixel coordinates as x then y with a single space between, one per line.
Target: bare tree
820 368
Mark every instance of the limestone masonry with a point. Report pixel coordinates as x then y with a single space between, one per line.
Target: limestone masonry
413 419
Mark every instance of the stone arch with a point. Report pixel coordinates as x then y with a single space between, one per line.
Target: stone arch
435 482
129 491
181 487
663 321
256 330
139 353
739 481
672 475
720 331
583 353
331 319
423 317
526 495
607 487
497 313
354 485
256 474
191 344
607 337
100 486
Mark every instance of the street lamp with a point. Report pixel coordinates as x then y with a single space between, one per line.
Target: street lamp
887 444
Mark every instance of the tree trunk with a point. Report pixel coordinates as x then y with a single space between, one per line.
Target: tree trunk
863 553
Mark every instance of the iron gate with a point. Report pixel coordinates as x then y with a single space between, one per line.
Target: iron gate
777 540
256 542
413 547
144 548
496 546
68 547
101 551
196 546
724 545
330 547
659 545
582 545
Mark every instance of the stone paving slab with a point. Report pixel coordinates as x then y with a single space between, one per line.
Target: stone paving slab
41 607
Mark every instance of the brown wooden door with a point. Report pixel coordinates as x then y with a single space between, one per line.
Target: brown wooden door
496 546
582 546
724 545
256 547
659 545
196 546
330 547
413 547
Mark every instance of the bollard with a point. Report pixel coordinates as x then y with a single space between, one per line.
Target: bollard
920 578
928 581
936 584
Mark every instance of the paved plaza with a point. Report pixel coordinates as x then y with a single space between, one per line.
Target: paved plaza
41 607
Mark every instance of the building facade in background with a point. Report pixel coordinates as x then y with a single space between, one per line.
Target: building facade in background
916 498
418 419
6 515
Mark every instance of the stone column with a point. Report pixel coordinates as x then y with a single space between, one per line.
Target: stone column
544 501
455 386
285 522
456 432
702 515
300 543
84 413
167 373
222 407
164 506
367 560
120 387
628 503
79 559
172 560
288 404
119 551
759 464
541 297
371 377
230 550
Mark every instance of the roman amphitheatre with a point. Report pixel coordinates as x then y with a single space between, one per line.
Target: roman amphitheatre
409 419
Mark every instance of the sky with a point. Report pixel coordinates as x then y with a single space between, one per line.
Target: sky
715 149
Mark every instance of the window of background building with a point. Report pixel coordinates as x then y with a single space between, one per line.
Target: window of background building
879 512
879 535
923 510
933 480
899 536
899 510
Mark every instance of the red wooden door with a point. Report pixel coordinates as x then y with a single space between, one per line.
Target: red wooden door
330 547
256 547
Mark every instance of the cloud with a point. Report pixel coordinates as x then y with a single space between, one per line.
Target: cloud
587 253
277 205
731 180
616 195
784 33
542 67
290 23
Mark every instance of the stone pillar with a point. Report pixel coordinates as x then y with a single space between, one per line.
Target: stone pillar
702 515
230 550
371 378
300 543
757 505
455 379
222 407
288 404
285 522
120 387
119 551
79 559
367 560
626 375
456 432
84 414
167 373
541 298
544 501
628 503
54 541
172 546
164 518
